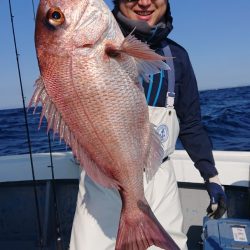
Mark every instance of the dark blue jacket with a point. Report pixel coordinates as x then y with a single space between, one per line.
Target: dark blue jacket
187 104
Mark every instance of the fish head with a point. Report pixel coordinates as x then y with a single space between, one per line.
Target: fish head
63 26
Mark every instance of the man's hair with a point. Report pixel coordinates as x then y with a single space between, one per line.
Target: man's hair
168 16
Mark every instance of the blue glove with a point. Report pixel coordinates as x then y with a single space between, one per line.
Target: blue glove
218 199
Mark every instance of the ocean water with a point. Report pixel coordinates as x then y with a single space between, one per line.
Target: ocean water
225 115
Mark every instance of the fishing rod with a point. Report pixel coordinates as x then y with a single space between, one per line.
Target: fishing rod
40 242
59 243
33 8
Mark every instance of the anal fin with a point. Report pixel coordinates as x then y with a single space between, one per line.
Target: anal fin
92 170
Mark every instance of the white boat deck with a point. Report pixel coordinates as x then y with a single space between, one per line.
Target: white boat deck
233 167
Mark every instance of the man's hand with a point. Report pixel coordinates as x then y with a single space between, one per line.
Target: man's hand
218 199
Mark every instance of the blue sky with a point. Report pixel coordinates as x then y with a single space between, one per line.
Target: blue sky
215 33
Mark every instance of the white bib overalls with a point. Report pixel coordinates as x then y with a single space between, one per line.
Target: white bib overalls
98 209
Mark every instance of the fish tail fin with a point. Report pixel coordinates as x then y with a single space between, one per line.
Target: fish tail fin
140 231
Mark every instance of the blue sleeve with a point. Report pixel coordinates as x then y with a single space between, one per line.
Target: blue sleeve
192 133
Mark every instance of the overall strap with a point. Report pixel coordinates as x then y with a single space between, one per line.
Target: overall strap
171 78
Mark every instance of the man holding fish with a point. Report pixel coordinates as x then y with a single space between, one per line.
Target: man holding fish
92 87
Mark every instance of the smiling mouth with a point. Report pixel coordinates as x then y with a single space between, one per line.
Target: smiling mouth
144 13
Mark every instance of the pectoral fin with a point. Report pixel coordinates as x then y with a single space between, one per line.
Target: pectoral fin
147 61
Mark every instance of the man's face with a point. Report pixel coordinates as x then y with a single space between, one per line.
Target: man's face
150 11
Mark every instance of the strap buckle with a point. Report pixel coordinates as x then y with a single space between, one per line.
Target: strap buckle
170 99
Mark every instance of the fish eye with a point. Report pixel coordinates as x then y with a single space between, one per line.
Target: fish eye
55 16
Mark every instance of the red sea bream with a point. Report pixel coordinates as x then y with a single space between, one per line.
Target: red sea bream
92 98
